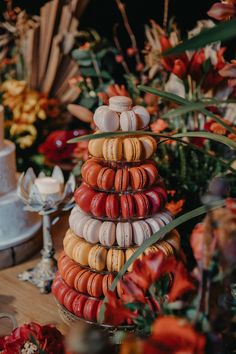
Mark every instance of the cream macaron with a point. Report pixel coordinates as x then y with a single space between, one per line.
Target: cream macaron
124 234
141 231
95 146
128 121
120 103
143 115
107 233
81 252
106 119
115 260
149 146
97 258
91 230
77 222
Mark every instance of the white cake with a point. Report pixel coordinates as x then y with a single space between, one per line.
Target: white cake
16 225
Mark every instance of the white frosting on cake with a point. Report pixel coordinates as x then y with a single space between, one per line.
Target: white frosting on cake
7 168
16 224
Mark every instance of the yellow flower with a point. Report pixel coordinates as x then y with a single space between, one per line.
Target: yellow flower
13 87
24 140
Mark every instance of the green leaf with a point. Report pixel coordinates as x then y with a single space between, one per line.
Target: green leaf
197 134
221 32
157 236
182 101
195 106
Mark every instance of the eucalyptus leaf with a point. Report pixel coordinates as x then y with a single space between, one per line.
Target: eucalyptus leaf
222 32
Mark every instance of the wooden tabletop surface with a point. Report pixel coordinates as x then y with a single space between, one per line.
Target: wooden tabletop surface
24 300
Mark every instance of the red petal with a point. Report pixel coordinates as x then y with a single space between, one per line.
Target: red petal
221 11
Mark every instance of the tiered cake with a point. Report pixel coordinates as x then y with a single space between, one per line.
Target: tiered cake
16 225
119 205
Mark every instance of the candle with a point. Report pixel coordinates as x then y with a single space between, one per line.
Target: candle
48 185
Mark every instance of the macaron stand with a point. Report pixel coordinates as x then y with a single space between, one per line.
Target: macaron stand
120 204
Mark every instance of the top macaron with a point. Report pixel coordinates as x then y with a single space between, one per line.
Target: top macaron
120 115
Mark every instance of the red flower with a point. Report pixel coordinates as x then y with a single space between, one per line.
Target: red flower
116 313
223 11
196 65
171 335
179 68
55 147
148 271
131 292
181 282
47 337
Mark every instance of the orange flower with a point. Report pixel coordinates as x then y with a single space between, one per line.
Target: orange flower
217 129
150 99
115 312
151 269
175 207
159 125
117 90
174 335
113 90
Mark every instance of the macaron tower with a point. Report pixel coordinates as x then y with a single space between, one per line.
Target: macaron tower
119 205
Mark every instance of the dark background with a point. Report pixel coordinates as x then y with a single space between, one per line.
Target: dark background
102 14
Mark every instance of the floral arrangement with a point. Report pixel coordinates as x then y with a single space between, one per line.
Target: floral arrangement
33 338
176 308
36 65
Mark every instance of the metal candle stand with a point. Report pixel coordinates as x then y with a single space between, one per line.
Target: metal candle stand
43 273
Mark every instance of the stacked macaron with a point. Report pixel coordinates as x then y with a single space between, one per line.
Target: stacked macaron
120 114
111 232
107 176
119 205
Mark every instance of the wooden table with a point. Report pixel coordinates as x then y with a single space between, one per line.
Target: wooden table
24 300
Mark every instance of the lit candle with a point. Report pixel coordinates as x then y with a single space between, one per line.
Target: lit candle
48 185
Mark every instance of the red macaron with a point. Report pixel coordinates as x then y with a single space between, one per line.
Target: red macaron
155 201
121 182
69 297
127 206
81 280
138 178
98 205
94 285
162 193
62 292
151 172
105 178
92 173
63 268
78 305
112 206
56 285
84 196
142 205
71 274
106 282
90 309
